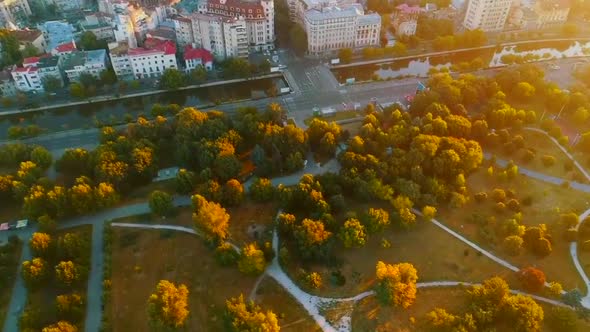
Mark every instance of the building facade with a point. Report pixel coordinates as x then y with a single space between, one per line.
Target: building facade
30 37
195 57
84 62
487 15
30 76
551 12
223 36
183 29
13 12
332 28
120 60
152 62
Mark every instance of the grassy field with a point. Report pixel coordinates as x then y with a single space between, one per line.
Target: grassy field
548 202
43 299
542 145
370 316
292 316
436 255
10 253
143 257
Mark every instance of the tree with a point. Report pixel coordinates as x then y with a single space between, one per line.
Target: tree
34 272
46 224
41 157
375 220
345 55
298 39
61 326
403 206
312 239
108 77
251 260
313 280
51 83
70 307
105 195
236 68
569 220
172 79
429 212
533 280
161 203
167 306
523 313
198 75
227 167
247 316
262 190
396 284
562 319
77 90
328 145
74 162
30 50
524 91
211 218
41 244
353 234
513 245
82 196
88 41
233 192
226 255
67 272
72 247
185 181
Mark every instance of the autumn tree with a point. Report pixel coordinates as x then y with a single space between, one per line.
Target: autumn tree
41 245
82 196
35 272
262 190
75 162
252 260
41 157
532 279
323 136
396 284
247 316
70 307
352 234
428 212
161 203
72 247
61 326
67 272
233 193
167 306
513 245
313 239
105 195
226 254
375 220
523 313
403 206
211 218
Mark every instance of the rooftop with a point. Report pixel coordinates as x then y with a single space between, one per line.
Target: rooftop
96 56
154 46
119 48
191 53
27 36
74 60
335 12
162 33
48 61
66 48
554 4
405 9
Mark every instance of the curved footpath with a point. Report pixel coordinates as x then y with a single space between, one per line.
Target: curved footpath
311 303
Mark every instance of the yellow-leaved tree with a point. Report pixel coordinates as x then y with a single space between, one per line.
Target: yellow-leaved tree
167 306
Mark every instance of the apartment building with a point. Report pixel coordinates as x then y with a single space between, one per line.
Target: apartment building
30 37
223 36
332 28
13 12
84 62
124 31
153 59
120 60
100 24
183 28
195 57
487 15
551 12
56 33
30 76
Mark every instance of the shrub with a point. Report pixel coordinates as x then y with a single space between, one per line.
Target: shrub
542 247
569 220
513 205
548 160
500 207
225 254
480 196
499 195
513 245
313 280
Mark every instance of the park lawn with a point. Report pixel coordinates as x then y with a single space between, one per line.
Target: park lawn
543 146
442 257
339 115
249 214
43 299
292 316
370 316
142 193
140 258
10 261
548 202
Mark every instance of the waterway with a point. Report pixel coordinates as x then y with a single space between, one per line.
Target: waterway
81 116
491 57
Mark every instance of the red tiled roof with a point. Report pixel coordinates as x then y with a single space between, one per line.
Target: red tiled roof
67 47
26 35
154 46
34 59
25 69
197 53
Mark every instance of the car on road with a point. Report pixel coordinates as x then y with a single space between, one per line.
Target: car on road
554 67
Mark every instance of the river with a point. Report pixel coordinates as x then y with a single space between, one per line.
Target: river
117 111
420 66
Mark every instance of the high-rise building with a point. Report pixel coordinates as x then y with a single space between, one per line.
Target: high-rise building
487 15
223 36
13 12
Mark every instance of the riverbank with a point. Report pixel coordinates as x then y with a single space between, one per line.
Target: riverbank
451 52
109 98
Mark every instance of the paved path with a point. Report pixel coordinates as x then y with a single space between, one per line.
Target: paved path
18 299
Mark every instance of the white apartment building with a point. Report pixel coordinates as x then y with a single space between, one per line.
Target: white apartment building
153 61
332 28
84 62
487 15
12 12
120 60
183 28
124 31
222 36
30 76
258 15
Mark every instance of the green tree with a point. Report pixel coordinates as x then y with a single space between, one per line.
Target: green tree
262 190
108 77
168 305
236 68
161 203
172 79
77 90
30 50
562 319
211 218
523 313
89 41
513 245
226 254
375 220
298 39
51 83
353 234
75 162
403 206
252 260
185 181
198 75
41 157
70 307
247 316
396 284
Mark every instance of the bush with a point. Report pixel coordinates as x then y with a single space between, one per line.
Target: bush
225 254
480 196
569 220
499 195
548 160
542 247
513 245
500 207
532 279
513 205
313 280
568 165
